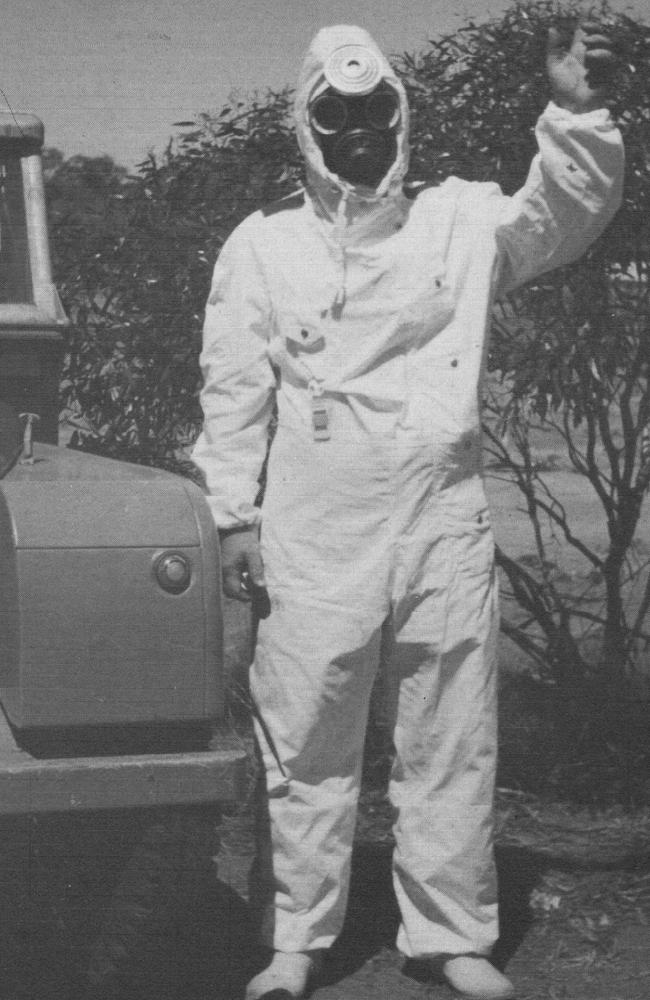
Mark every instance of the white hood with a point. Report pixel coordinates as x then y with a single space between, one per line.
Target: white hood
320 181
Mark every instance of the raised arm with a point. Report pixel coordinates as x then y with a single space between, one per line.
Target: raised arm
574 186
580 69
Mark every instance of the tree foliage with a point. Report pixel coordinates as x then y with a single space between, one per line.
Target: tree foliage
133 260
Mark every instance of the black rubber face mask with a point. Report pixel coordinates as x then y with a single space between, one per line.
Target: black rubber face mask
357 135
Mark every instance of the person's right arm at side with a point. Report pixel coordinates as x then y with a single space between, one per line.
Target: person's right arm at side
237 402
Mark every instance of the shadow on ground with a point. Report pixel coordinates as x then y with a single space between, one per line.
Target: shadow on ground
200 944
373 916
211 953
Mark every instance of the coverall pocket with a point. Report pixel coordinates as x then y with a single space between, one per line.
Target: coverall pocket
298 326
427 307
303 338
474 544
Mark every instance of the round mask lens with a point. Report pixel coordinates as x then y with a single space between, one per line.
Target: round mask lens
328 114
382 110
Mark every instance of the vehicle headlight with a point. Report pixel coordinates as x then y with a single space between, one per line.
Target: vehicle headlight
173 572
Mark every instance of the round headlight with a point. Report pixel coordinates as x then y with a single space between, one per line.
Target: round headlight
173 572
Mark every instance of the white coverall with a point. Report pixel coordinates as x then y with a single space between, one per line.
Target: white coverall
376 541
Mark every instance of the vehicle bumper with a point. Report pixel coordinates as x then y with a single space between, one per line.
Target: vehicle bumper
76 784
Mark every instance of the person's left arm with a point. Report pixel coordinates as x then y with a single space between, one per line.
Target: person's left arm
574 186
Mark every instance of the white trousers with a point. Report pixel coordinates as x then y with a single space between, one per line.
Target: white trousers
378 552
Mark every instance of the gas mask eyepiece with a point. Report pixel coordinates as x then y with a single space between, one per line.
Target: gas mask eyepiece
331 112
357 134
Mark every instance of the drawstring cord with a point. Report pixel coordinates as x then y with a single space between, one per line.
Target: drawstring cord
340 227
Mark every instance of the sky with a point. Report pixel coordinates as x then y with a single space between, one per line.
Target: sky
113 76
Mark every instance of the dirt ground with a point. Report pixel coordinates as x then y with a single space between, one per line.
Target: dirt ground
575 920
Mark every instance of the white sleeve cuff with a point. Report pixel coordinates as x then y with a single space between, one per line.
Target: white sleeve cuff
597 116
244 515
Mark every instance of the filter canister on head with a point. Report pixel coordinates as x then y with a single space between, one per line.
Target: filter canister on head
353 69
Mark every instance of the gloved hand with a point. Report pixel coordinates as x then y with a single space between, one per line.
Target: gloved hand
580 68
241 563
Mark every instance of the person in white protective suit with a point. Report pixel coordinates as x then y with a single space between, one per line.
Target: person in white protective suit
363 313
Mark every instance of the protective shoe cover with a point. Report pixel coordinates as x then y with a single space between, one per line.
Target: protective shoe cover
287 976
365 314
473 978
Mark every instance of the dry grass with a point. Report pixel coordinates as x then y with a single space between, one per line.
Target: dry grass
572 835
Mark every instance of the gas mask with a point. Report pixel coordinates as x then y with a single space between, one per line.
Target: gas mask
357 134
355 117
